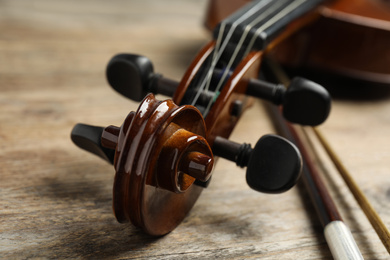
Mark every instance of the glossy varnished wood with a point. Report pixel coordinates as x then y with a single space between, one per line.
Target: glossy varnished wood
159 153
56 199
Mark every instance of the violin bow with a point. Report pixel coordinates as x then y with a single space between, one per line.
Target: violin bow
375 220
371 214
338 236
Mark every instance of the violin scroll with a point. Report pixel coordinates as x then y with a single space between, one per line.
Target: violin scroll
159 155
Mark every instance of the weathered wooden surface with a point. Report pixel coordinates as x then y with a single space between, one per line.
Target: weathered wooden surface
56 199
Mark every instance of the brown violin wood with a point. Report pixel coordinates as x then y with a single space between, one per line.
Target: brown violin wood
159 154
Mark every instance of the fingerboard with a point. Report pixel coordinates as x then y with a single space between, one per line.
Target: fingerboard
260 21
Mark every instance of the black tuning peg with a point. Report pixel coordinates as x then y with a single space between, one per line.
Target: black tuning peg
132 76
303 102
273 166
88 137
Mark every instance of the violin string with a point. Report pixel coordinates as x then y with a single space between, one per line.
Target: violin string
261 30
216 50
252 11
269 11
204 86
243 38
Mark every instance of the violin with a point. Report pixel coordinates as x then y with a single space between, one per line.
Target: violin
164 152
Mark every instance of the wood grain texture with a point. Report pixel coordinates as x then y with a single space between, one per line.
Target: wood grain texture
56 200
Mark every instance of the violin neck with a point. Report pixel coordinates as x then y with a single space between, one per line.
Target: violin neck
260 21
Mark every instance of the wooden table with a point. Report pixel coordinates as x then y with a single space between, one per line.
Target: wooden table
56 199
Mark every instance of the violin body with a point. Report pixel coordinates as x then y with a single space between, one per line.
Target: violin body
346 39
